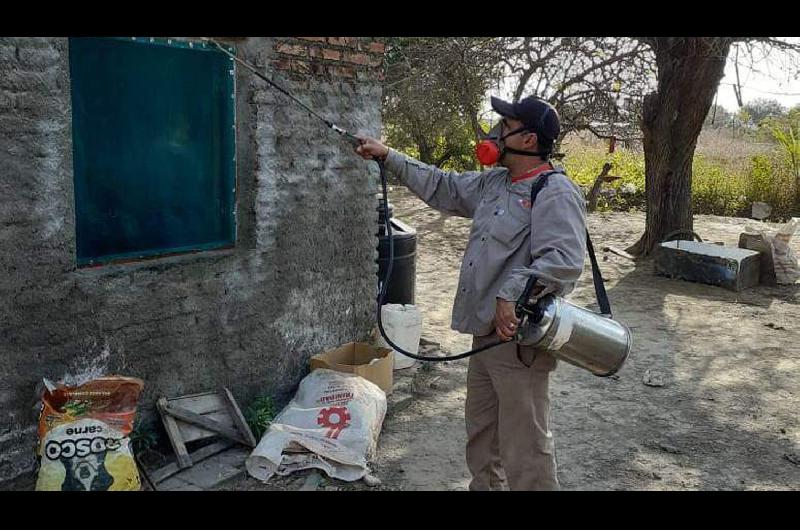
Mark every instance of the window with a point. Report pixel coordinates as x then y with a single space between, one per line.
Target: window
153 127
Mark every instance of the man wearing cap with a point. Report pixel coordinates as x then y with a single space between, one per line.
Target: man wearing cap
508 406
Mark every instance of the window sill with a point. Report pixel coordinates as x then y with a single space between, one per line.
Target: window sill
160 263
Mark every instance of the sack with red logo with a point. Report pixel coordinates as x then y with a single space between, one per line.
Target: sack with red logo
332 423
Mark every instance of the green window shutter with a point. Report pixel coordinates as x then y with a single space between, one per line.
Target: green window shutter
153 127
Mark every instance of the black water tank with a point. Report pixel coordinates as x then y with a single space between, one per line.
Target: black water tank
404 269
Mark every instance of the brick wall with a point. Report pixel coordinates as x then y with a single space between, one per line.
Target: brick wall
359 58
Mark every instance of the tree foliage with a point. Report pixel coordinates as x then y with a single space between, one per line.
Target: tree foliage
434 89
657 89
760 109
596 83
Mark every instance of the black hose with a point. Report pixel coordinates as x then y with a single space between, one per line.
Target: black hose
385 284
354 141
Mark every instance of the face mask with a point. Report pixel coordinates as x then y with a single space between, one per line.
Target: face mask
488 150
491 148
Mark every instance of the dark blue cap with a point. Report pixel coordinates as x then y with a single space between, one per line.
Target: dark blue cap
535 113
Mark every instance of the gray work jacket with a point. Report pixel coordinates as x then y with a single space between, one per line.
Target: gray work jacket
509 240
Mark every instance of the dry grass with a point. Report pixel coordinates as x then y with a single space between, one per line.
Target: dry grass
730 172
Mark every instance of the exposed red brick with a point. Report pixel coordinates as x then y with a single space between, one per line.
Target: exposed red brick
301 67
377 47
357 58
291 49
332 55
376 60
342 41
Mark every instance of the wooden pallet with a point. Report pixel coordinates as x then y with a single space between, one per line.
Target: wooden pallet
199 417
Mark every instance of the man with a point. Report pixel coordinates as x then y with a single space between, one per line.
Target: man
507 408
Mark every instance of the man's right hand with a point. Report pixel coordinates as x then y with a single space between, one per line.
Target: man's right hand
371 148
506 320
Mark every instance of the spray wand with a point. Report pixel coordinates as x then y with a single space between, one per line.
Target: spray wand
356 142
351 139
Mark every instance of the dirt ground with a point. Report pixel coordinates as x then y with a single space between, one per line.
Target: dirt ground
725 419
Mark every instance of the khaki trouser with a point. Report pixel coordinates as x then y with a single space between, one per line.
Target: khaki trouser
509 443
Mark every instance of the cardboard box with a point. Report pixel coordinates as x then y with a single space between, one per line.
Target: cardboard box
355 358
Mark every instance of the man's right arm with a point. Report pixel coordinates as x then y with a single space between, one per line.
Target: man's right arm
450 192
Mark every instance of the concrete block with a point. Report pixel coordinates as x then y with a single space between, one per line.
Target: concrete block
731 268
761 245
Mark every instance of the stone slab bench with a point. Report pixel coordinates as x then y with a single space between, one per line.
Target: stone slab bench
728 267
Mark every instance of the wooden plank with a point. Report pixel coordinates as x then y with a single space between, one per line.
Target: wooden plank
619 252
199 394
202 404
174 435
202 421
192 433
167 471
238 418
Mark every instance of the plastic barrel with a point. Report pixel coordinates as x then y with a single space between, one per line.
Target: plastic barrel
404 270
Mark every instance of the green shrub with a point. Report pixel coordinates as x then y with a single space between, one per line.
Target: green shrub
259 415
770 180
143 437
718 187
716 191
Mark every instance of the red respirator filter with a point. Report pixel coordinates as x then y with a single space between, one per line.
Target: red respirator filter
487 153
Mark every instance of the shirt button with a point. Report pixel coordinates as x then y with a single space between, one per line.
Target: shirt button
483 239
470 264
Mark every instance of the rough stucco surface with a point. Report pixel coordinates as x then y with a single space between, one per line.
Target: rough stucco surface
301 278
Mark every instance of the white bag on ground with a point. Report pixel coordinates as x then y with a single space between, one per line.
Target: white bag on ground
787 269
332 423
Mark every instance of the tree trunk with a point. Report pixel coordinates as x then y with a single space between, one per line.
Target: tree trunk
594 193
689 71
424 148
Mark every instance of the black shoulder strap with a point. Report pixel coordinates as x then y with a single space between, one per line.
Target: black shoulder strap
597 278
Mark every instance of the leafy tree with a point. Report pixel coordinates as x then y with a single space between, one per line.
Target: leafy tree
434 88
759 109
688 73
